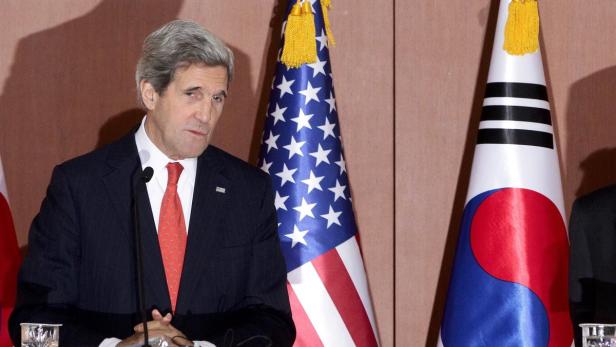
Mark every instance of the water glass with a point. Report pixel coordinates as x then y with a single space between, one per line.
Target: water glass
40 335
598 335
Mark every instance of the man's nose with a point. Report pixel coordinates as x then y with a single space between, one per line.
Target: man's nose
204 113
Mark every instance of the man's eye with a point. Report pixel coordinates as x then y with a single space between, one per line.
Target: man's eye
218 98
194 95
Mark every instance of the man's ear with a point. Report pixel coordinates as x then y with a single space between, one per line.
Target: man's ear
149 96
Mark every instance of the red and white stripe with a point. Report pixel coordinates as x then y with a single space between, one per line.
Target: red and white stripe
330 300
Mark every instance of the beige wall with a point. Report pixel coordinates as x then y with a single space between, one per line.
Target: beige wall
409 77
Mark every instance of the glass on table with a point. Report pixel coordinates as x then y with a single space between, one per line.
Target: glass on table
40 335
598 335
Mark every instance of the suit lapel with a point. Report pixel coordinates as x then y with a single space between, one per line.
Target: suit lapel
122 162
157 292
208 198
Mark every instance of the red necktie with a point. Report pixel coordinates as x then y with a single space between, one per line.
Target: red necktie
172 232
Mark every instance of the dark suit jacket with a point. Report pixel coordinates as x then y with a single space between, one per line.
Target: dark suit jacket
80 267
592 269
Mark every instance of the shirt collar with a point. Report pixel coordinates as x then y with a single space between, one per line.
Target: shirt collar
151 156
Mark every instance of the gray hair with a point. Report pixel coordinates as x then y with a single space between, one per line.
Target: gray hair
178 44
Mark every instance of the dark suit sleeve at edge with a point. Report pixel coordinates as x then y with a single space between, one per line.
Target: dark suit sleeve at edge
47 289
265 316
581 293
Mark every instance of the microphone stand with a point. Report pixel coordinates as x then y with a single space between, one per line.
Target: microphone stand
140 176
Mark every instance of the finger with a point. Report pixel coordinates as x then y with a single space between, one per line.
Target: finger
166 335
159 317
156 314
157 325
167 318
181 340
151 326
170 342
168 331
158 334
138 328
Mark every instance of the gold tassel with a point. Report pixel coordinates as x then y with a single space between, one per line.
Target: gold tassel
325 6
300 46
522 28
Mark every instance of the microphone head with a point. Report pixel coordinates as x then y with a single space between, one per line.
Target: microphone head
147 174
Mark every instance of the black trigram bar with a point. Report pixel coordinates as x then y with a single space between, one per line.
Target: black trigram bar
518 113
517 90
516 137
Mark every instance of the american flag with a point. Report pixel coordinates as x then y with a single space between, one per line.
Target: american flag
302 152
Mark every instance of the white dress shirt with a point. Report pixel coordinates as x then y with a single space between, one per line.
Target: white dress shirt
153 157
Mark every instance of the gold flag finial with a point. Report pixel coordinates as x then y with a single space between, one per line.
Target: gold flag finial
522 28
300 45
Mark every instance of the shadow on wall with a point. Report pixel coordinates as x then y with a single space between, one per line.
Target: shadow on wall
591 134
64 84
487 19
270 55
599 170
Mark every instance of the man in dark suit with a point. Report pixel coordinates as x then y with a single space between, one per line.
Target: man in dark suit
592 269
213 270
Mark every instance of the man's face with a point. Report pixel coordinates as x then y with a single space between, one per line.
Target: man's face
181 121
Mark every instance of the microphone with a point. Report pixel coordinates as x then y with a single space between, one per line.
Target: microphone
147 174
140 176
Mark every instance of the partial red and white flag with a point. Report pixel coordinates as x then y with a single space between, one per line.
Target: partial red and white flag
10 259
302 152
